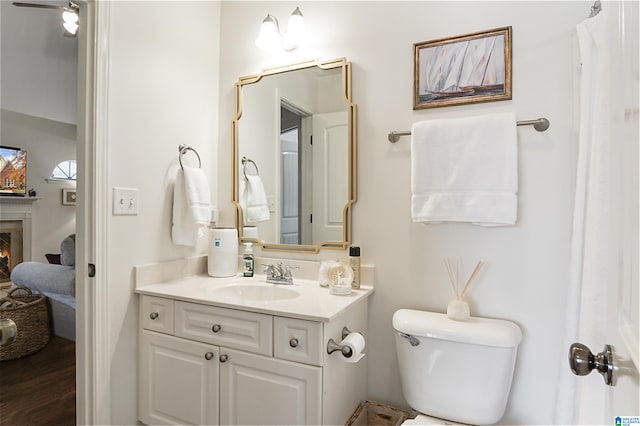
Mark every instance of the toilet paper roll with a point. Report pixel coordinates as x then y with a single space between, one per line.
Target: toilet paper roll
355 341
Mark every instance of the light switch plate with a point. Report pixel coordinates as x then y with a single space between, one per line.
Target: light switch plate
125 201
271 203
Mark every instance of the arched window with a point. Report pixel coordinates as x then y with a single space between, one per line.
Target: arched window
66 170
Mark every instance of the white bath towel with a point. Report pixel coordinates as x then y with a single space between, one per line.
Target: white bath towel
465 170
253 200
191 206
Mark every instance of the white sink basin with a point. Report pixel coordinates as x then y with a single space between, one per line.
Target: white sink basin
256 292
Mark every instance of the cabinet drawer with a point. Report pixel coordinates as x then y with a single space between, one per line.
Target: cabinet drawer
156 314
297 340
247 331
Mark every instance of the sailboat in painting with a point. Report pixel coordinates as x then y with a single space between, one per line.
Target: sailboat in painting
466 68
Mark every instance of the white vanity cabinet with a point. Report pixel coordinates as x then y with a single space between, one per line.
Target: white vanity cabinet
216 365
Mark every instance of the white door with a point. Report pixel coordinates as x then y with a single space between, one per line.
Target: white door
257 390
330 172
622 399
620 318
178 381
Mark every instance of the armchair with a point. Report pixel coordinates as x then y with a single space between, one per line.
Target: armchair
58 283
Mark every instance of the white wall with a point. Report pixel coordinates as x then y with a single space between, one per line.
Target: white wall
163 91
526 271
47 144
39 64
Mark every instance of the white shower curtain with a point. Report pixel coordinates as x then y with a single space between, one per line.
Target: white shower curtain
578 400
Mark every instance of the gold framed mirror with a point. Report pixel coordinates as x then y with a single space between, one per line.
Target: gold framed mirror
293 157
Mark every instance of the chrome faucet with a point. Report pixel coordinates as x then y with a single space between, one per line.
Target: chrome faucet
278 274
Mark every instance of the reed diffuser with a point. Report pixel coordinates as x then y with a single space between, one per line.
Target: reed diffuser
458 309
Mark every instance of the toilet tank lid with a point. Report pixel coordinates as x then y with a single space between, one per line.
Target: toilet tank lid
479 331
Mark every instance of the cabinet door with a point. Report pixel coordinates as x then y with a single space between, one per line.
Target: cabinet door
258 390
178 382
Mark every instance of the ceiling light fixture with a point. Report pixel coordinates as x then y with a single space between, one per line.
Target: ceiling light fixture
270 38
70 19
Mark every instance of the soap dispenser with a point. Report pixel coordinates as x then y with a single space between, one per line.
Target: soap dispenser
247 261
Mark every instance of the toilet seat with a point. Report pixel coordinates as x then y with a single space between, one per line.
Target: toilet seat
422 419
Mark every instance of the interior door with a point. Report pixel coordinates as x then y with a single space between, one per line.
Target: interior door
622 399
618 361
330 171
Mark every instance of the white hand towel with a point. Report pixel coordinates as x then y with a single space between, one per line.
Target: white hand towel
465 170
253 200
191 207
198 195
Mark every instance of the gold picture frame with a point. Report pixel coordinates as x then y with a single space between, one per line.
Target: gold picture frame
462 70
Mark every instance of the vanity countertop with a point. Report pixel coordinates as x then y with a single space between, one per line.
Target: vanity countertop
304 299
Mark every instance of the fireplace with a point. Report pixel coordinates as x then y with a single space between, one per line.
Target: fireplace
11 247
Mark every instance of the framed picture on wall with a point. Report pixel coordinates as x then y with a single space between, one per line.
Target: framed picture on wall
69 197
464 69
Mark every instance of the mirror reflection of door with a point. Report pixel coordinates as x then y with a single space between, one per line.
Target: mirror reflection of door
290 182
330 172
318 170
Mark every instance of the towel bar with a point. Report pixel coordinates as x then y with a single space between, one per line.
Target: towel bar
182 149
541 124
246 160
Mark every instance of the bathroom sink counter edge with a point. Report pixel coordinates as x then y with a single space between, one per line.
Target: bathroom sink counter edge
312 302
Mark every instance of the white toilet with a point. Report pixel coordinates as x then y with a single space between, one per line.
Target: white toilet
455 371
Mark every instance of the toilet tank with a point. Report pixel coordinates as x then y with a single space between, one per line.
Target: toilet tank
456 370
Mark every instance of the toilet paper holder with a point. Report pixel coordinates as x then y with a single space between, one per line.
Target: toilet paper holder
332 346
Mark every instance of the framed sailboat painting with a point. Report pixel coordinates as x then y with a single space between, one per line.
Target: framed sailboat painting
461 70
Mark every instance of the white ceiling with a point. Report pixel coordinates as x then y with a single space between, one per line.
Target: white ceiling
38 63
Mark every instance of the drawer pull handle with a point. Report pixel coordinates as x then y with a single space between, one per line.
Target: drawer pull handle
153 315
293 342
224 358
208 356
216 328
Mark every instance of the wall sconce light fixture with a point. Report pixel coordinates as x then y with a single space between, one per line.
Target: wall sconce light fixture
69 15
270 38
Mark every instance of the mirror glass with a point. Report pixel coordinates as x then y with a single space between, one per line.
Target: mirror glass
293 140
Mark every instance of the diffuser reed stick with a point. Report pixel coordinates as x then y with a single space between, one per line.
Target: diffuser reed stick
471 277
447 264
454 278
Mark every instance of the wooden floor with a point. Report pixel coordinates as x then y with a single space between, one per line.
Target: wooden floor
40 389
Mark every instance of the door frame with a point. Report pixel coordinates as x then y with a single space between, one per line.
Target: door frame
93 390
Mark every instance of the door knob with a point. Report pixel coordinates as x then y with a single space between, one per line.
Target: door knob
582 361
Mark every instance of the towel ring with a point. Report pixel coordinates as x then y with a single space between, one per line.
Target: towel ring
182 149
246 160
